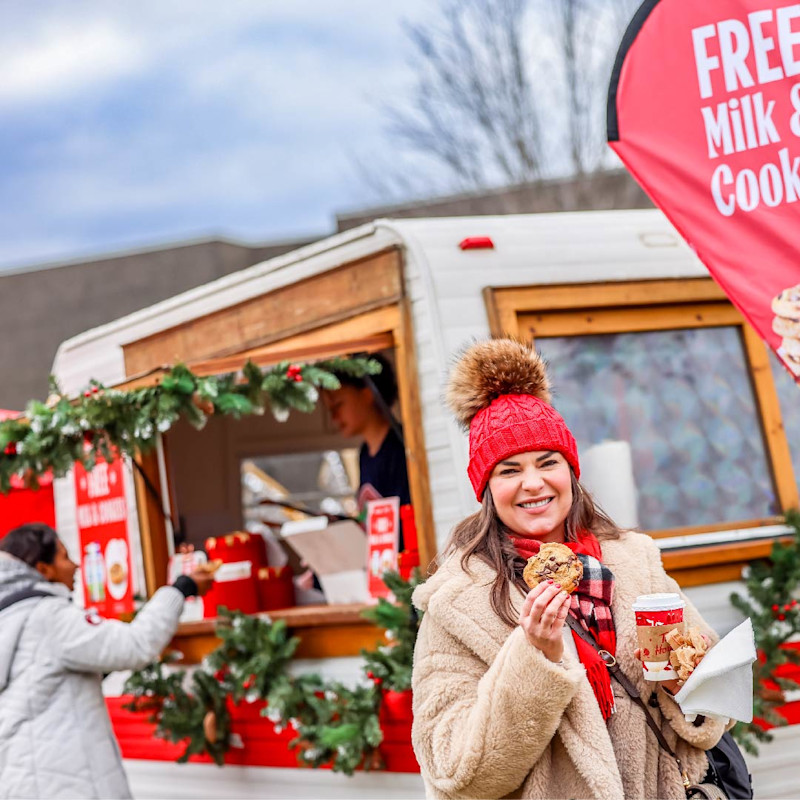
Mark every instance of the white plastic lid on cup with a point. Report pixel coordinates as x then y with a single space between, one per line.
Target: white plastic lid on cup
660 601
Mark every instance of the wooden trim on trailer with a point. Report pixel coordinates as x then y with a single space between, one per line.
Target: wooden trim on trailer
690 530
697 566
324 631
322 299
626 320
152 525
306 349
731 553
327 342
702 576
780 457
501 311
503 305
416 453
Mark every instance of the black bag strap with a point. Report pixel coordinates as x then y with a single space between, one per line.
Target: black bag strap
22 594
611 664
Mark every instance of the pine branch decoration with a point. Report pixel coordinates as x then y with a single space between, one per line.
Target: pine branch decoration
52 436
336 725
772 605
390 665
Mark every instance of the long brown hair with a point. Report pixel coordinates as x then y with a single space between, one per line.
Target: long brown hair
484 536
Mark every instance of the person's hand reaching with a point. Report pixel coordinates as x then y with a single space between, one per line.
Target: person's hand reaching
203 577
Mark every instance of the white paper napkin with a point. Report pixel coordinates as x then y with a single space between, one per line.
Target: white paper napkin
722 684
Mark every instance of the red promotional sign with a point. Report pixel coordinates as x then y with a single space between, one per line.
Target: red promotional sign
704 110
102 517
383 527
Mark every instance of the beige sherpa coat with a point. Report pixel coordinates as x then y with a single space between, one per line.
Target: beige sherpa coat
494 718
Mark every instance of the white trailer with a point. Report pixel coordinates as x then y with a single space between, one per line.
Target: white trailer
688 428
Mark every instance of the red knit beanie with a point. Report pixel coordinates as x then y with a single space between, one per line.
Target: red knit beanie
499 388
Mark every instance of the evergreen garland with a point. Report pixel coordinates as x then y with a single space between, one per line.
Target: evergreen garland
336 725
52 436
253 653
389 665
197 716
772 605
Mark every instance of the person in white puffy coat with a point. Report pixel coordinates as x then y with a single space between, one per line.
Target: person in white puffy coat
56 739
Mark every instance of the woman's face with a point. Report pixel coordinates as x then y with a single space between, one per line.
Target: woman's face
532 493
62 570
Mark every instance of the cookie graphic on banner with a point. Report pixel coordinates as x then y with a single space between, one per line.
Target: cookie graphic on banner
786 307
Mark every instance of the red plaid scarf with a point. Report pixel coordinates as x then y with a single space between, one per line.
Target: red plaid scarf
591 607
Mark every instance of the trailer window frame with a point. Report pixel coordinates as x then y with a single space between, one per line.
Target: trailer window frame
532 312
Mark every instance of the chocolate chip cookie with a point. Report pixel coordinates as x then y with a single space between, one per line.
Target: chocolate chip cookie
787 303
554 562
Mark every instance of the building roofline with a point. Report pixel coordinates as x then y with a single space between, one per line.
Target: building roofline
94 258
430 202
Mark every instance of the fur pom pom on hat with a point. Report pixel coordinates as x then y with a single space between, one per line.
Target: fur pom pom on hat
499 389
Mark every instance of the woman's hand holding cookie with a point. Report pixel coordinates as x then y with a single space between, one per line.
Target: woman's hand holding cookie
542 618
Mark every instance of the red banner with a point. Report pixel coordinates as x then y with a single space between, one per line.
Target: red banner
704 110
102 517
383 532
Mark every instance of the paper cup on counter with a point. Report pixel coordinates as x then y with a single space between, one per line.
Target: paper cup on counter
656 616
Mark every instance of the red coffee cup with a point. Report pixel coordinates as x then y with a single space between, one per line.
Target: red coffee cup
656 615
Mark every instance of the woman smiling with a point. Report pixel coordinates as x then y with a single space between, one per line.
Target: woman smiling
510 698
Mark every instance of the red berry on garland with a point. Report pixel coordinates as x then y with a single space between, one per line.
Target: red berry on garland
378 681
371 675
781 617
775 609
11 449
95 389
220 674
294 373
250 682
87 393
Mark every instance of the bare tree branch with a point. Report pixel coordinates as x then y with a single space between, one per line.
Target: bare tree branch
509 91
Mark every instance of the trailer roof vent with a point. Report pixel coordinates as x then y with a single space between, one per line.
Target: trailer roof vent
476 243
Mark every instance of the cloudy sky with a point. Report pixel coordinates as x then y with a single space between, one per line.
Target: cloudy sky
131 124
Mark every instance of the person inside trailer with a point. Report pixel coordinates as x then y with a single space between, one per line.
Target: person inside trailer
362 408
